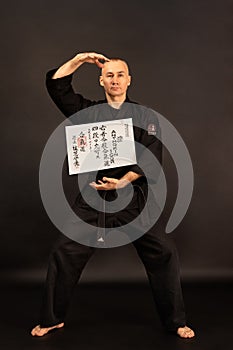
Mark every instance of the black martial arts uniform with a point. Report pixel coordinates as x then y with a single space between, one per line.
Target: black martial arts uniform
156 250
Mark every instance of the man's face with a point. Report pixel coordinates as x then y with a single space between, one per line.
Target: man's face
115 78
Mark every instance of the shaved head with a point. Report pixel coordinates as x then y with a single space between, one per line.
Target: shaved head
107 64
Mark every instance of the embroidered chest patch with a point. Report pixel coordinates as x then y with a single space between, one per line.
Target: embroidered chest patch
151 129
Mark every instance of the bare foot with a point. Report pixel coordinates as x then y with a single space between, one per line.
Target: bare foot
185 332
39 332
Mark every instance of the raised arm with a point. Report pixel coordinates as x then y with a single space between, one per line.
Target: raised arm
59 83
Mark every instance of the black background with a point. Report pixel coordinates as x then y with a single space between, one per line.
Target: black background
180 55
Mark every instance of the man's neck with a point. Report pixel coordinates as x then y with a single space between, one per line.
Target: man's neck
116 101
116 105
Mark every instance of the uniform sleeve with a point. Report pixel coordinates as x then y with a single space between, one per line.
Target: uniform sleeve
136 169
150 138
63 95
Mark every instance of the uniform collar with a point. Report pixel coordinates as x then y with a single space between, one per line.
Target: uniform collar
126 100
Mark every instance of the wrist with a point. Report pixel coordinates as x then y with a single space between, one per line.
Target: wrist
76 61
122 183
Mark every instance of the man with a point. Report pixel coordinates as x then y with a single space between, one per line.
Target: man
155 248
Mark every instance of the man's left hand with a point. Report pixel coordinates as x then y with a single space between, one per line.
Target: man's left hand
109 183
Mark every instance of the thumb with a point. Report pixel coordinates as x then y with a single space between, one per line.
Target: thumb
98 63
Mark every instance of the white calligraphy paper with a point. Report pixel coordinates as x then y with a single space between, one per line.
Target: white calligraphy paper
100 145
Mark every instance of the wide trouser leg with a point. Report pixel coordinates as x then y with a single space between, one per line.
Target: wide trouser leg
66 263
159 255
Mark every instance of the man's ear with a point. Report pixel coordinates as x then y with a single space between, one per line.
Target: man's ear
101 80
129 80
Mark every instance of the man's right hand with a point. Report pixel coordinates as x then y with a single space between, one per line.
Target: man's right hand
91 57
85 57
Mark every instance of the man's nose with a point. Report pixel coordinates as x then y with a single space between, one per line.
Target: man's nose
115 80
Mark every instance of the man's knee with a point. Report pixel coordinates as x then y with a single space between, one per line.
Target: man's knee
160 253
169 250
70 250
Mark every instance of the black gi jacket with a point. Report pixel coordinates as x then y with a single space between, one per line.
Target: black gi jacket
69 102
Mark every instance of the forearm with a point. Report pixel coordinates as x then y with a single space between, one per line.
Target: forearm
72 65
69 67
128 177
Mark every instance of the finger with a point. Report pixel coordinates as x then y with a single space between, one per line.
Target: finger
95 55
93 185
106 179
109 179
98 63
101 57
